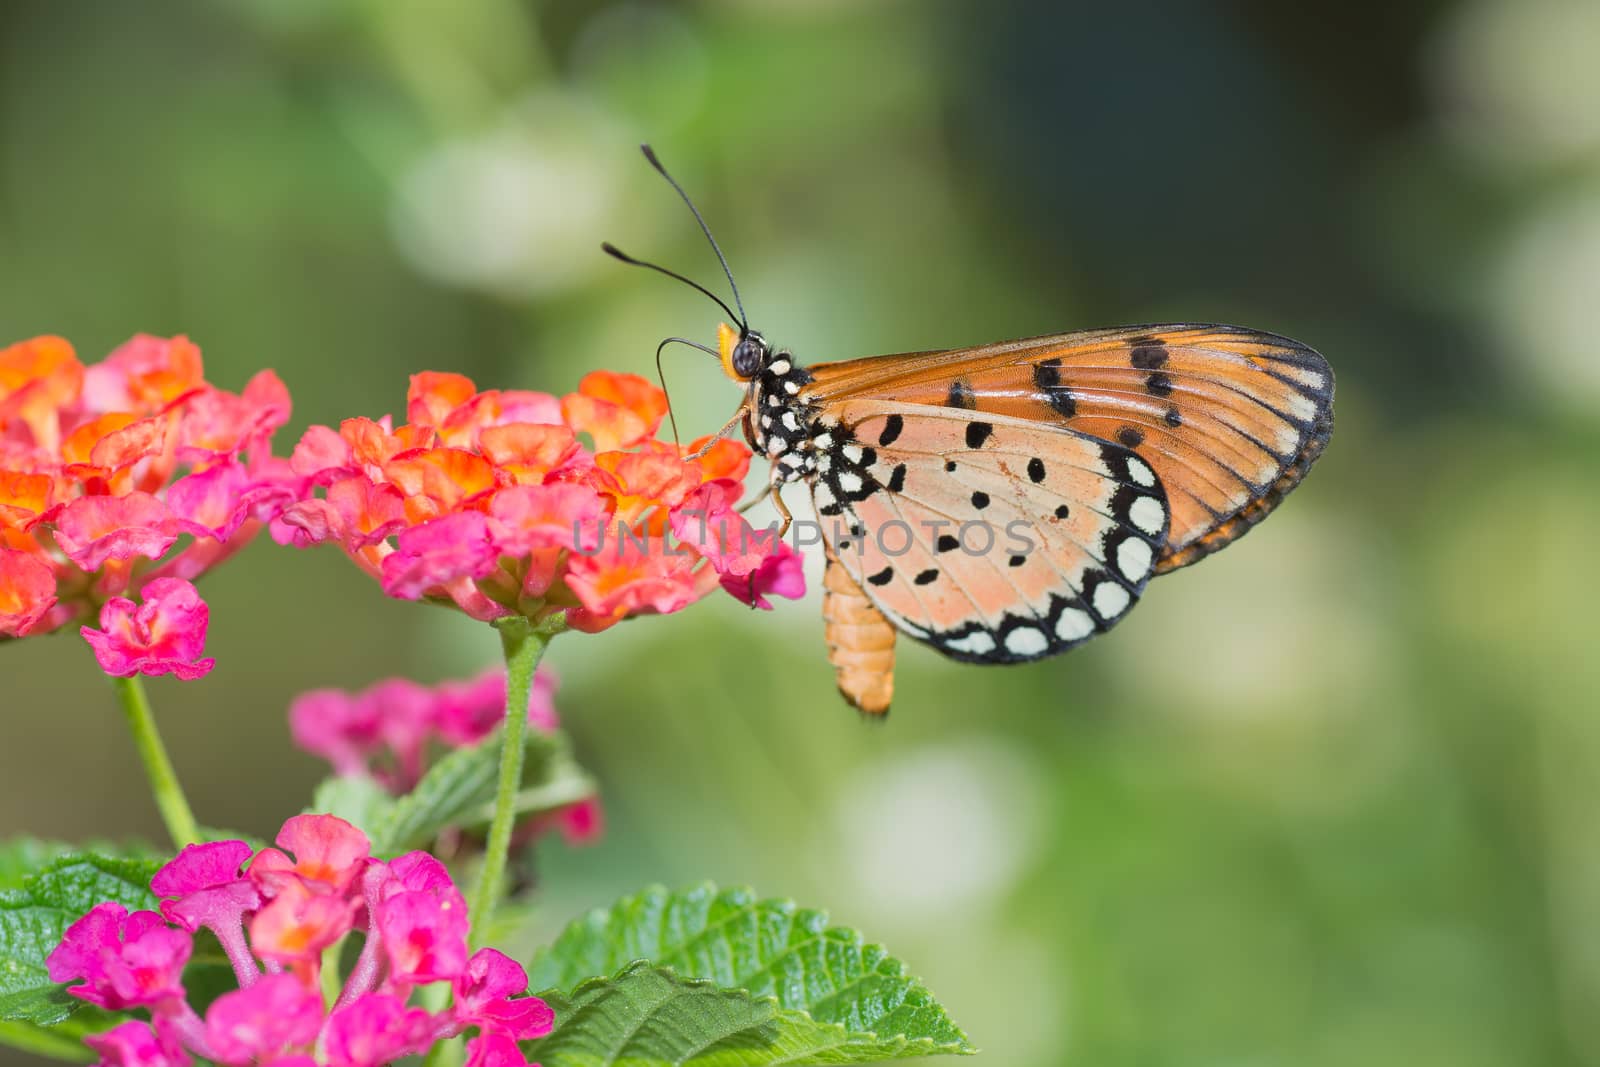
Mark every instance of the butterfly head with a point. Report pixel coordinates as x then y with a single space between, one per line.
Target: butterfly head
745 353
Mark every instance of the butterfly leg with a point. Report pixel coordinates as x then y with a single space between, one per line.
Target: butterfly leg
719 435
783 509
753 501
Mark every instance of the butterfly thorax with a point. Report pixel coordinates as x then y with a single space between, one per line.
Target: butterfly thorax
782 424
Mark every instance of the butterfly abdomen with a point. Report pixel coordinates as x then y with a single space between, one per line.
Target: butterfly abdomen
860 642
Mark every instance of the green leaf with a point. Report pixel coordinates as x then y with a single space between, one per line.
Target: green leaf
356 798
771 948
648 1016
459 790
33 917
41 1041
63 1040
21 857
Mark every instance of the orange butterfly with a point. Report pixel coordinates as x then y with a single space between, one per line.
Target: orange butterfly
1032 487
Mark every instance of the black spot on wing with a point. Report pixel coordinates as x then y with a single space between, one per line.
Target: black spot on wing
1131 436
927 576
883 577
891 429
1148 354
946 543
1159 383
978 433
1047 379
897 480
961 395
1036 470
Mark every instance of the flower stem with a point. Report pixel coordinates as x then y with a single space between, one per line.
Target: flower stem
157 767
524 644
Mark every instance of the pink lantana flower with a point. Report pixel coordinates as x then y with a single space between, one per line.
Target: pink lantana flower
124 961
261 1023
494 1050
375 1030
164 635
122 474
135 1044
488 995
387 730
329 855
780 574
407 910
203 887
490 501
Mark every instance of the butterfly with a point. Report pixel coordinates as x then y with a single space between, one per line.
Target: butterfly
1008 502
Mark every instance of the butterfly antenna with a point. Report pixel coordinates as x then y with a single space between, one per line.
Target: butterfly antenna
650 154
661 376
616 253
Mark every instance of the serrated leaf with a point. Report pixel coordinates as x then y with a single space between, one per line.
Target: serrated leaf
22 857
648 1016
768 947
33 917
357 798
458 789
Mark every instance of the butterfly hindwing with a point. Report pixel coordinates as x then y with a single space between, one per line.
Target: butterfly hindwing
1229 419
992 538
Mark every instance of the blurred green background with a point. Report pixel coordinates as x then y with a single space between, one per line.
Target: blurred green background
1326 799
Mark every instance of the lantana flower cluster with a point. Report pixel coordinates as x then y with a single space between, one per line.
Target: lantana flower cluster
104 469
491 501
295 901
386 731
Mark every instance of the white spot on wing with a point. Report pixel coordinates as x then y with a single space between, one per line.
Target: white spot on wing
1133 559
850 482
977 643
1074 624
1303 408
1110 600
822 495
1312 379
1140 472
852 453
1148 514
1026 641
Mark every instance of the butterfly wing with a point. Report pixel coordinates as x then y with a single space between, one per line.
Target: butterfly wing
1229 419
992 538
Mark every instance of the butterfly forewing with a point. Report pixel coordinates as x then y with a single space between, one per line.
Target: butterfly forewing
1229 419
990 537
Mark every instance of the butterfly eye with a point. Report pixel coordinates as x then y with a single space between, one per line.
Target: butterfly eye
749 355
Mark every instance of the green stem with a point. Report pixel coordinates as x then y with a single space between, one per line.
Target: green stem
524 645
157 767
